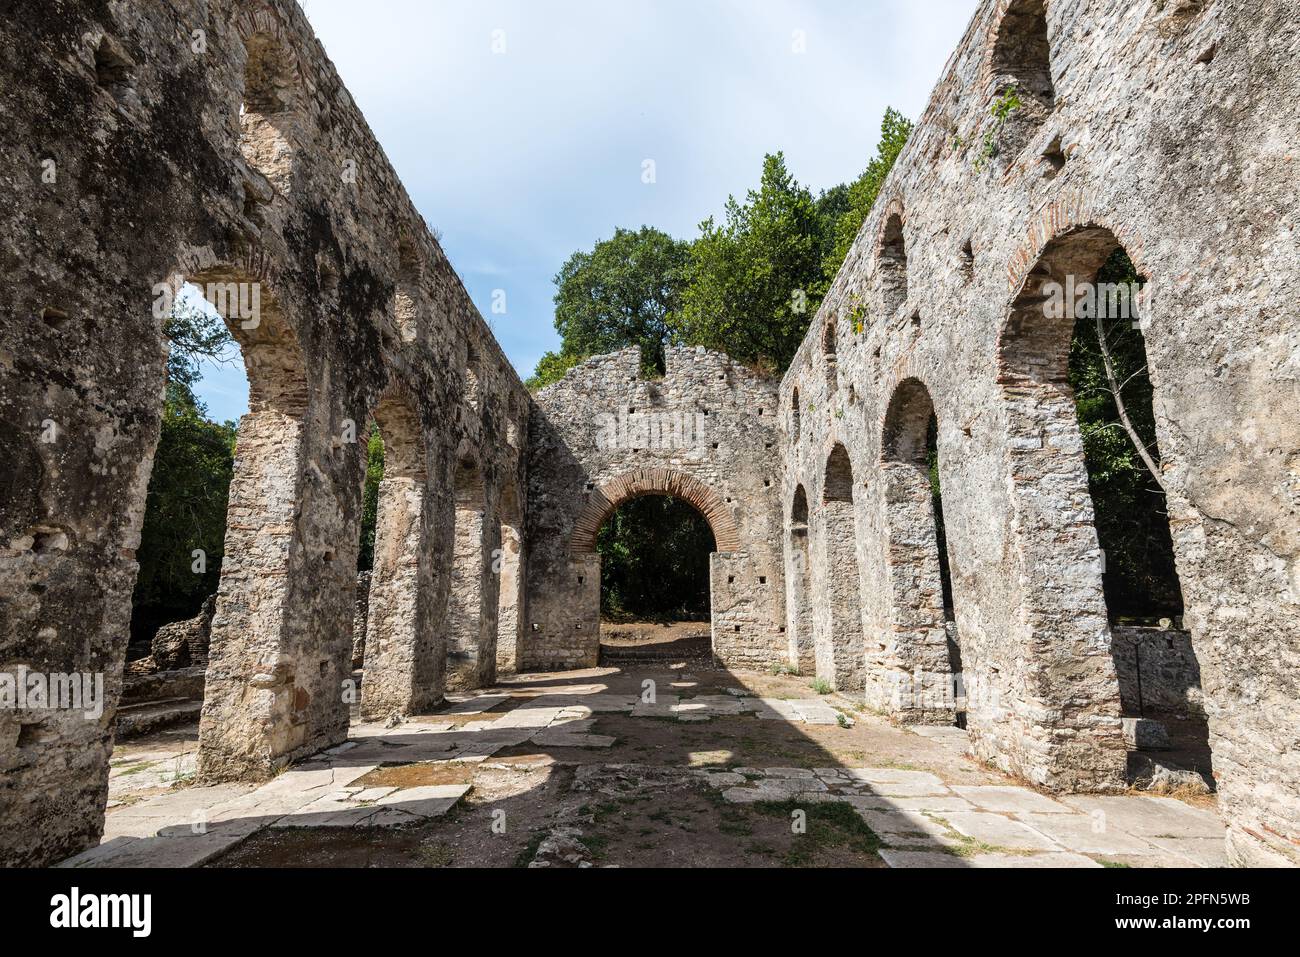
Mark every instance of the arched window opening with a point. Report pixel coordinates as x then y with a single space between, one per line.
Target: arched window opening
1077 370
473 372
268 115
893 265
829 346
407 297
1022 90
838 486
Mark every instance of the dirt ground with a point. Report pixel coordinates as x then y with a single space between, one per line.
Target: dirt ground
525 806
666 786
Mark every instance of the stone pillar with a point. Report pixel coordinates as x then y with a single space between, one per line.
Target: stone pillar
405 652
1048 707
466 623
800 648
837 618
257 710
510 604
908 671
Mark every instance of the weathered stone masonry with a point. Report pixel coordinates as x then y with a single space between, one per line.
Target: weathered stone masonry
706 433
1168 128
211 140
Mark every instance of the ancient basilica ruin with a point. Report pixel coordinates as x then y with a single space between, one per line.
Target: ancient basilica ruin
211 142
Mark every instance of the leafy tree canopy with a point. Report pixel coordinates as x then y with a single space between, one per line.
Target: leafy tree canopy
619 294
756 279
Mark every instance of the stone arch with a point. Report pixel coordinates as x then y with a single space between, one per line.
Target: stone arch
403 663
838 647
270 113
830 344
252 724
408 293
1020 52
653 481
1063 601
837 484
801 648
473 374
1019 63
892 261
243 294
915 639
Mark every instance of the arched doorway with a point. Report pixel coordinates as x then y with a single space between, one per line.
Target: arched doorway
839 649
1085 467
914 662
802 654
706 535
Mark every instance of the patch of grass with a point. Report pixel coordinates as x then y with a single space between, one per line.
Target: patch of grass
1113 864
830 824
525 856
821 686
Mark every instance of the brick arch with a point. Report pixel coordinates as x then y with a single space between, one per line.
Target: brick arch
654 481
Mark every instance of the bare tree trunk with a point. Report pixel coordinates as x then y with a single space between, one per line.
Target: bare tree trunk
1152 466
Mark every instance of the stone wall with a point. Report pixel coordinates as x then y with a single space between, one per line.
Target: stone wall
129 167
706 432
211 141
1158 672
1167 128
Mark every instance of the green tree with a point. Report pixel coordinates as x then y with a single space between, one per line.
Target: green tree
1131 512
185 507
196 333
895 128
618 295
370 499
654 561
185 510
756 280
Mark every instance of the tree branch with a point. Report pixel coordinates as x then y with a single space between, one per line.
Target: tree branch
1115 387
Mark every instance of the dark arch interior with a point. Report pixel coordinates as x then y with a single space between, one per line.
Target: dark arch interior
654 552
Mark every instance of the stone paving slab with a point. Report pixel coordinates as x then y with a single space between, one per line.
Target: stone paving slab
475 705
1011 800
921 859
999 831
1053 860
1081 833
903 828
816 711
1200 851
1148 816
935 804
887 782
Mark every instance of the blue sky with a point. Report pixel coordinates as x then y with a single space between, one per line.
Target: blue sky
519 158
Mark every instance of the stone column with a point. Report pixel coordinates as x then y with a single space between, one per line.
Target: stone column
257 706
405 651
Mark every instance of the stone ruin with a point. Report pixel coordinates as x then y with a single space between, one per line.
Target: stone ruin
212 142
